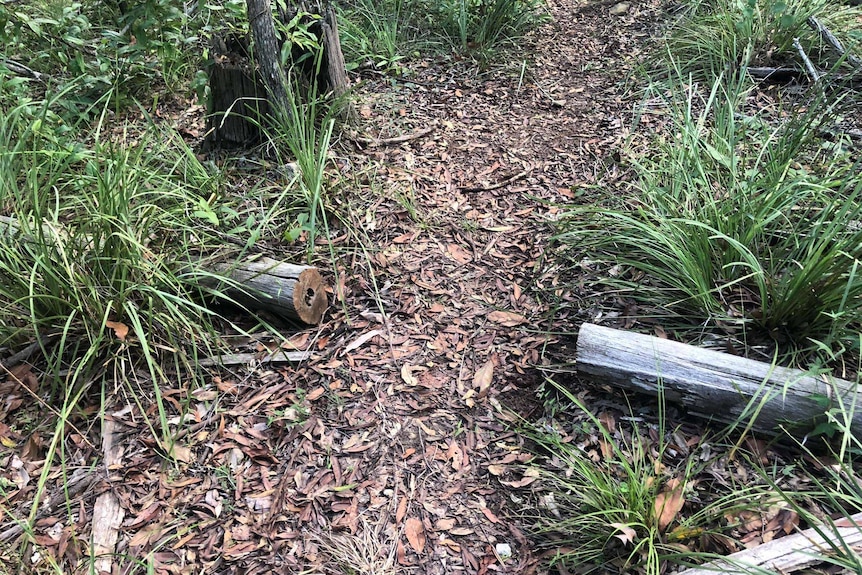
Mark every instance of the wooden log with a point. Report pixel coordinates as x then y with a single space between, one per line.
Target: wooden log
777 75
294 291
713 385
787 554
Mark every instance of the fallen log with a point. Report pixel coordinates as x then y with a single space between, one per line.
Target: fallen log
782 75
788 554
713 385
293 291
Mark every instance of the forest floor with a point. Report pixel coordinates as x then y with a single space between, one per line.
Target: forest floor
390 450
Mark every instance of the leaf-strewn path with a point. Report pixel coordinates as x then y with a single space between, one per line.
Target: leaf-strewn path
390 446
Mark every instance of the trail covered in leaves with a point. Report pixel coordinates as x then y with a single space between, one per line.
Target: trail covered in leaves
390 450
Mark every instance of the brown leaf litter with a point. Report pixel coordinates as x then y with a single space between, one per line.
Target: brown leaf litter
389 447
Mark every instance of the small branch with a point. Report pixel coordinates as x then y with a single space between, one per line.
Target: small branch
499 184
395 140
809 65
830 39
79 483
22 70
278 356
26 353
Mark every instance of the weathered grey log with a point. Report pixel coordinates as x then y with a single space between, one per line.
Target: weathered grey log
294 291
787 554
713 385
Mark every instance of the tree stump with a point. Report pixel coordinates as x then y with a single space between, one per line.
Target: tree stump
246 80
238 97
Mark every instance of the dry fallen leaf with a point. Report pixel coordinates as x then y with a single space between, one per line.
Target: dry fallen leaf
444 524
507 318
181 453
121 330
407 374
415 532
459 254
483 377
668 503
626 534
530 475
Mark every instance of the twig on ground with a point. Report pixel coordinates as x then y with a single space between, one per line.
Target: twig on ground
499 184
809 65
26 353
80 482
42 402
395 140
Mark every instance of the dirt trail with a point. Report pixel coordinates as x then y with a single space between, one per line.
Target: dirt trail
459 252
391 444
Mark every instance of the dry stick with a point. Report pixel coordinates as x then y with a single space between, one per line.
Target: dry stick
25 353
108 513
395 140
278 356
499 184
594 5
22 70
81 481
43 403
830 39
809 66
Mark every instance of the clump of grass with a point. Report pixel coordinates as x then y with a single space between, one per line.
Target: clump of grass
714 39
738 224
486 25
610 491
372 32
98 258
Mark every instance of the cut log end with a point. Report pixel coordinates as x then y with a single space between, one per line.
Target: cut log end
309 296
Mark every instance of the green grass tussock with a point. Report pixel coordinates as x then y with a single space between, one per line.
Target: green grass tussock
738 224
